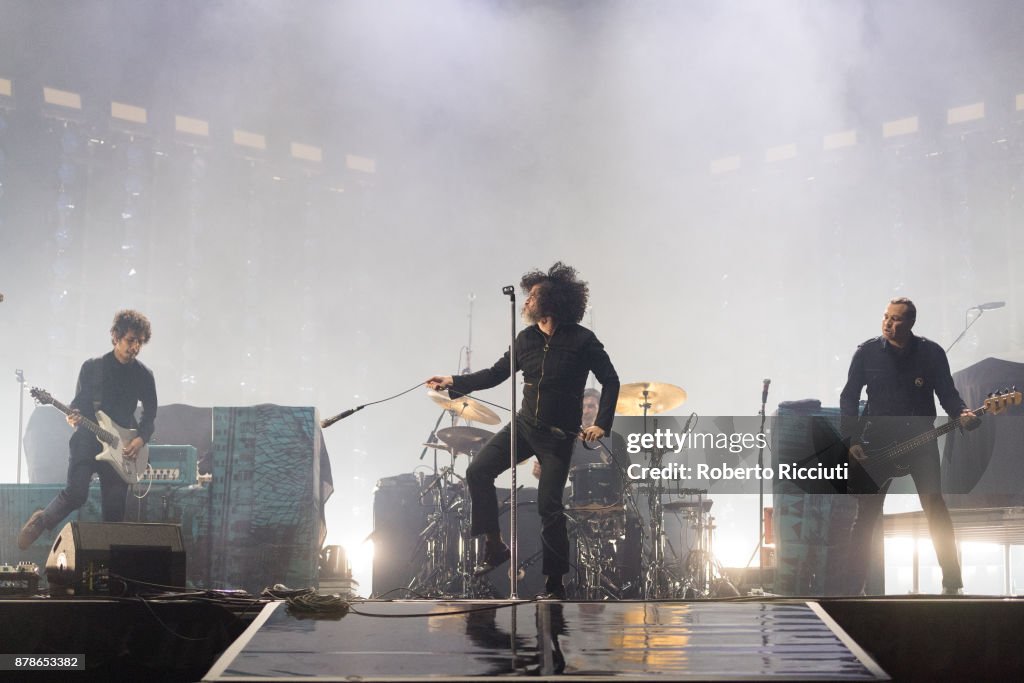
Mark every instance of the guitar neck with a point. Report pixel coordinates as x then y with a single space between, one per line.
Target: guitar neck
930 435
101 434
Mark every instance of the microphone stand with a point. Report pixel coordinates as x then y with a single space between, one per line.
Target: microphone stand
20 376
760 491
510 292
967 324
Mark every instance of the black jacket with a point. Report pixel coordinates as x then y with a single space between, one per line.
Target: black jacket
900 383
116 389
555 373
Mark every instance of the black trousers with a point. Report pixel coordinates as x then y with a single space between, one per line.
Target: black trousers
81 466
555 455
926 472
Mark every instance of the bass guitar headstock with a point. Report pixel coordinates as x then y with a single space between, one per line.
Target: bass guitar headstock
998 401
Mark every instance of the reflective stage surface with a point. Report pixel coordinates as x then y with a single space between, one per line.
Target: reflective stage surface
588 640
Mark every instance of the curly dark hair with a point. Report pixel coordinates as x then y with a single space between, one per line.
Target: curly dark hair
562 296
130 321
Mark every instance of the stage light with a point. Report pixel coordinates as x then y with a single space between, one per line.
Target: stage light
968 112
780 153
307 152
846 138
186 124
725 165
62 98
128 112
251 140
1020 102
362 164
892 129
5 87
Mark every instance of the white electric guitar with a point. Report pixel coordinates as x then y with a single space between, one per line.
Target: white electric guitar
112 436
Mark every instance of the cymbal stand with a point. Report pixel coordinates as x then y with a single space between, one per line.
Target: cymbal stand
659 581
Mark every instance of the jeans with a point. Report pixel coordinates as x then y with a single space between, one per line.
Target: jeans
925 470
555 455
81 466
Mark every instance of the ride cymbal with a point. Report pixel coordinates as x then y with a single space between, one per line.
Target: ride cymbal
659 397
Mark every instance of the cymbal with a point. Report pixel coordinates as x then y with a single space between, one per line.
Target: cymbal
468 440
660 397
467 408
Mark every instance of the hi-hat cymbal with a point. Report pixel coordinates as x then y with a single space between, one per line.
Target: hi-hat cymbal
659 398
467 408
468 440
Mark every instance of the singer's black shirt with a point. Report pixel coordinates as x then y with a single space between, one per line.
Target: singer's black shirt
900 382
555 372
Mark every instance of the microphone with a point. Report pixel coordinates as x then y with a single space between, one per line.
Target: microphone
981 307
764 391
324 424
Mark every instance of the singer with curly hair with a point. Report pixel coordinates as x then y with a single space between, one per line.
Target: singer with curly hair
556 355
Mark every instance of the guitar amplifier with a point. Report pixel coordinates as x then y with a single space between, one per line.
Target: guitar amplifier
172 465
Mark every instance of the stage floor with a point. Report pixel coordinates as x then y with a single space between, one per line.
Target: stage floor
477 640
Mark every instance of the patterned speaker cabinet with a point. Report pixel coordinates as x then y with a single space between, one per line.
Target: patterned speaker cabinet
812 520
265 523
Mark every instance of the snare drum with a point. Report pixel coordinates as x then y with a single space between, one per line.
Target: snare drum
595 487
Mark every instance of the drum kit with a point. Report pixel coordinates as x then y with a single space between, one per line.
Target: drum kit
622 548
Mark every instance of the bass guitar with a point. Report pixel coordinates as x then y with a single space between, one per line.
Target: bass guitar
112 438
883 464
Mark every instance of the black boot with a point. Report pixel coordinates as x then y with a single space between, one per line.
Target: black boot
495 554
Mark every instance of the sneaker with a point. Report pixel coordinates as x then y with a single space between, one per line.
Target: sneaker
952 590
552 593
494 556
32 530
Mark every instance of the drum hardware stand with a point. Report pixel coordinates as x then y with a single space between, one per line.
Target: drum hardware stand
592 560
700 564
436 576
660 581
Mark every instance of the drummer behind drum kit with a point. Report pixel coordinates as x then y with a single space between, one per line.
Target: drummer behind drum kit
616 557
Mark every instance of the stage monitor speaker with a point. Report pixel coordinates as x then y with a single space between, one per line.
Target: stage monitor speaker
91 558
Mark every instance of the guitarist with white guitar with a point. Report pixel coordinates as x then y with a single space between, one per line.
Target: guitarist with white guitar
107 438
903 374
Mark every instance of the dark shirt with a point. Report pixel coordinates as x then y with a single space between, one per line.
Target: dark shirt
116 388
900 382
555 373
